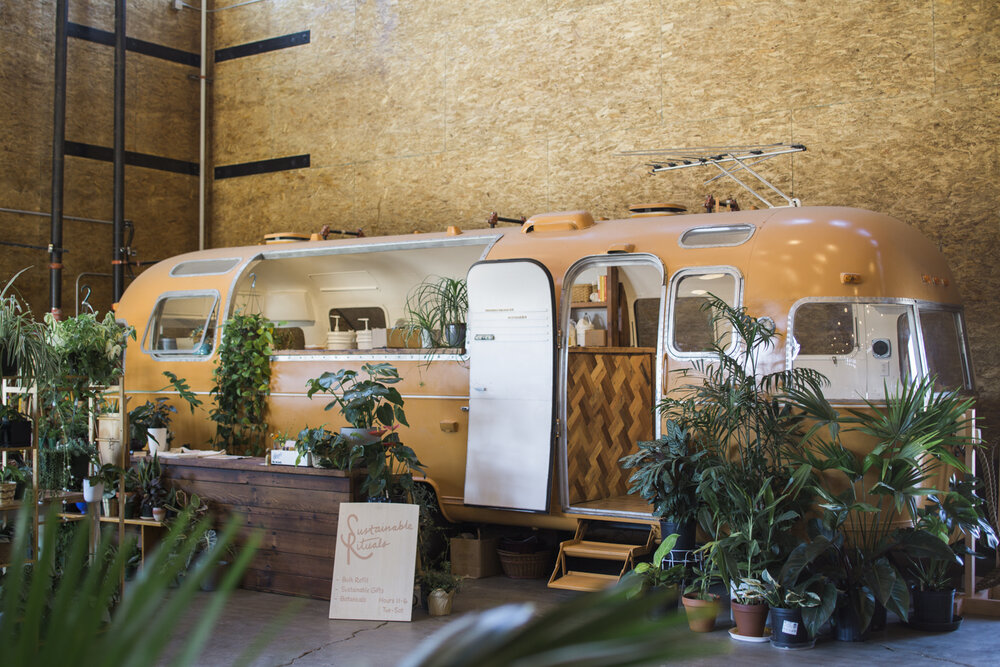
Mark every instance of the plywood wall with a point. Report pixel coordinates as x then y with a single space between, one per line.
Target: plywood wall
161 121
418 115
422 115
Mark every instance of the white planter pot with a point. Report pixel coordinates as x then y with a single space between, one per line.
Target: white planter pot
360 435
157 440
92 494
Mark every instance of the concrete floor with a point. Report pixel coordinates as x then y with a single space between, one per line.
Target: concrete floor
310 639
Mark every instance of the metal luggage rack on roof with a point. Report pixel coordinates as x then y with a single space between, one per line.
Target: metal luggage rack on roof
728 159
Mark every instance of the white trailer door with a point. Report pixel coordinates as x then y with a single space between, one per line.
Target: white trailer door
511 339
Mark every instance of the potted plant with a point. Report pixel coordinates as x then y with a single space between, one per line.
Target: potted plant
326 449
700 603
149 423
23 349
12 474
15 428
654 576
800 600
242 384
749 606
375 411
957 510
667 474
870 498
439 306
101 475
148 474
440 586
88 350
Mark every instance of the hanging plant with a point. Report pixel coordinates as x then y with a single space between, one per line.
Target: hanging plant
242 384
88 350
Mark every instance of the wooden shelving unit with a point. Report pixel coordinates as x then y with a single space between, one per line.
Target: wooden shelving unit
11 390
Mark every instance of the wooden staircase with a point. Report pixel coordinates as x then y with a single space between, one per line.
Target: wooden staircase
600 554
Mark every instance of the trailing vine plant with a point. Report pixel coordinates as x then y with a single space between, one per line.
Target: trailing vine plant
242 384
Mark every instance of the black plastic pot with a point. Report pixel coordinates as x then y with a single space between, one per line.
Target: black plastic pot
847 623
788 630
15 433
454 335
685 530
933 607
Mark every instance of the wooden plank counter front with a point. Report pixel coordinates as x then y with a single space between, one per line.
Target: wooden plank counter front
295 507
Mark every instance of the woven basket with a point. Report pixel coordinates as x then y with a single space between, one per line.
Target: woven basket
7 490
580 292
525 566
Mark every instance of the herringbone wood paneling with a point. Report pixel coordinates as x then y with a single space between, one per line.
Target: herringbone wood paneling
609 409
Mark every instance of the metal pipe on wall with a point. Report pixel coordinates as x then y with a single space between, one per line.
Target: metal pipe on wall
58 159
118 213
201 124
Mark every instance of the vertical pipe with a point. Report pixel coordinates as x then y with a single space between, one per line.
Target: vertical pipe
201 125
118 215
58 161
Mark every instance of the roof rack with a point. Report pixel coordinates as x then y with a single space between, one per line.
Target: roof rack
728 159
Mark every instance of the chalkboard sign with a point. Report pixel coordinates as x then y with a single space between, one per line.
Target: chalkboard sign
374 561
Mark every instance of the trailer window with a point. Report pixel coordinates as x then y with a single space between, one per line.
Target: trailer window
182 325
716 235
942 334
825 329
695 325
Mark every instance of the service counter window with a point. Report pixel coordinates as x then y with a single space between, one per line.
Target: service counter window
695 324
182 324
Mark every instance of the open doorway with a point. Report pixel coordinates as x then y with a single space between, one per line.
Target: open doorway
610 373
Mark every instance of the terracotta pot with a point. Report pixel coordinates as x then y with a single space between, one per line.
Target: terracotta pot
439 602
701 613
750 618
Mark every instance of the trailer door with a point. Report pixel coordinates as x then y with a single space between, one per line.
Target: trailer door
511 336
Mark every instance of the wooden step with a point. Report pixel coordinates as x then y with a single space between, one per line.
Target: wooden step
584 581
600 550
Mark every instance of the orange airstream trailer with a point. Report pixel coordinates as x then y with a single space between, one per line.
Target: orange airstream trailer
525 424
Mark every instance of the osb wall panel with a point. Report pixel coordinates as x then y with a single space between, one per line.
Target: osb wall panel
161 120
420 115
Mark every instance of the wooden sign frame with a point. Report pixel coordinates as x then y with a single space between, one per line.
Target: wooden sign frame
374 561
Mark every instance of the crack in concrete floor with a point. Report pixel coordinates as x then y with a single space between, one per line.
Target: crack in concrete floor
328 644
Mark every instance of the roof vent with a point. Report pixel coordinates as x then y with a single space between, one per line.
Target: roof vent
284 237
650 210
562 221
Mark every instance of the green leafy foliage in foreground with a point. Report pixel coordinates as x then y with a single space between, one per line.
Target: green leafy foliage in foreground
597 629
77 615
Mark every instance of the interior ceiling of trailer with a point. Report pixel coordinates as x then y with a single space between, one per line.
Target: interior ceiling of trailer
381 278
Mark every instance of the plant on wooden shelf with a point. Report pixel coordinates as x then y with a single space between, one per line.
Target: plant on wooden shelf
329 450
149 423
243 383
374 409
23 348
88 351
15 428
440 306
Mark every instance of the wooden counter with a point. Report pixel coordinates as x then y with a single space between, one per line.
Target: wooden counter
295 507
